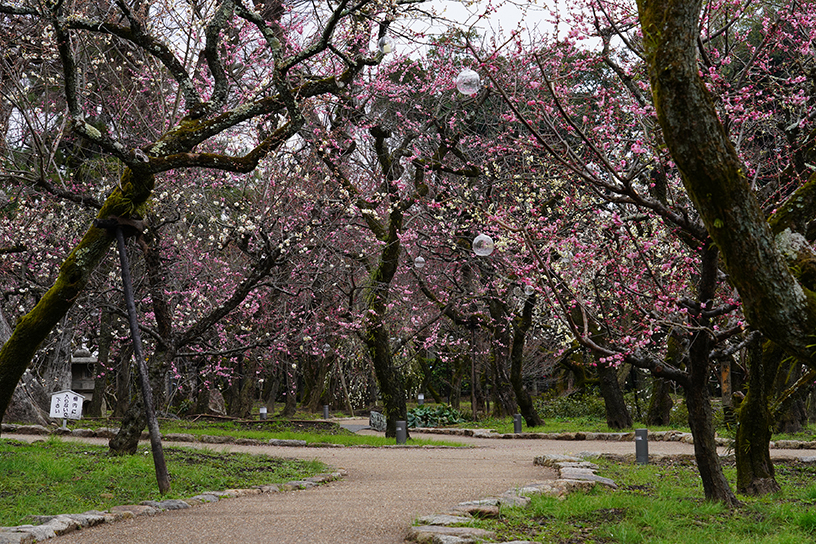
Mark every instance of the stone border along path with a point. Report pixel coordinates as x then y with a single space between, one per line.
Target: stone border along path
53 526
574 474
653 436
471 472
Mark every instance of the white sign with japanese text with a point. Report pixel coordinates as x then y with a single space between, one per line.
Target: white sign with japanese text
66 405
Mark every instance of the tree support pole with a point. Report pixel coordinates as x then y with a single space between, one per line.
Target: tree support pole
162 476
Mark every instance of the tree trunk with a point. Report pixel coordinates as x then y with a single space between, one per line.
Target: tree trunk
126 441
522 324
242 390
100 368
660 403
57 372
755 470
317 385
455 396
617 414
773 300
698 401
342 378
389 379
701 421
427 376
290 405
34 327
504 402
134 422
123 376
794 417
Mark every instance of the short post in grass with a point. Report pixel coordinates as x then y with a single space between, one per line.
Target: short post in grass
517 423
262 413
402 432
421 399
325 411
642 446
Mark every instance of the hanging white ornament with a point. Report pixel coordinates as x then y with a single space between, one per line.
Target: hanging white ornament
468 82
483 245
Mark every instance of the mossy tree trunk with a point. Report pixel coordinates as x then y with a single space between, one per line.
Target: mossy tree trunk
774 302
773 299
755 469
33 328
793 418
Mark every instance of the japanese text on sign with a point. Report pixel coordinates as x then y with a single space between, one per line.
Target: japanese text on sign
66 405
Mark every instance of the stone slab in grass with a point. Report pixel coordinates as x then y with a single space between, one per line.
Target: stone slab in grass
428 534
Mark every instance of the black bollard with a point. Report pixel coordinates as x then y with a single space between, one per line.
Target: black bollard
517 423
402 432
642 446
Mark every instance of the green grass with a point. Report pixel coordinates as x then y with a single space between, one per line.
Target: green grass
313 433
663 505
560 425
55 477
598 425
287 430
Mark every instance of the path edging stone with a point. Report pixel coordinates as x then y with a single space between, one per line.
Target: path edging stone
46 527
574 473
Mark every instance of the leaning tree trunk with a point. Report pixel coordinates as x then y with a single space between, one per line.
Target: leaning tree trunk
755 470
715 178
34 327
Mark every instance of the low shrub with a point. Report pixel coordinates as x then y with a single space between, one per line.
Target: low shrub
433 416
588 403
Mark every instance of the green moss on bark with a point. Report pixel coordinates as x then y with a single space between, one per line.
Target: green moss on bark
30 331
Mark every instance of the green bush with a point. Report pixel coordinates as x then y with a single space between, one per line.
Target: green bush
587 403
429 416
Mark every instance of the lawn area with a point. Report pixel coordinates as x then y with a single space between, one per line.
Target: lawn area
55 477
661 504
313 432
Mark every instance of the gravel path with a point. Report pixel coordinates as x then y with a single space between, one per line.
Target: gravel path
385 490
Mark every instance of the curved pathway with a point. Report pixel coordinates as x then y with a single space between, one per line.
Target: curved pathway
385 490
